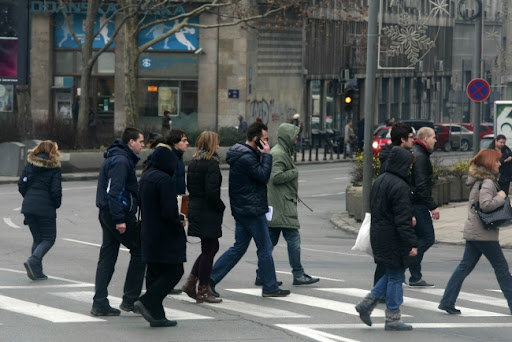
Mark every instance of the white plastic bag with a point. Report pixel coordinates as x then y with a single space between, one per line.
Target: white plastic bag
363 237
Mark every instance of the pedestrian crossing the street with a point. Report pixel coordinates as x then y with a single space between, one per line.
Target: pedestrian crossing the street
242 301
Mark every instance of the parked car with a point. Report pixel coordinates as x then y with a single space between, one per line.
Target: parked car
417 124
381 138
486 140
485 128
453 136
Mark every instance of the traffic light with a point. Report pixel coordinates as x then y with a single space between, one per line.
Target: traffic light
348 99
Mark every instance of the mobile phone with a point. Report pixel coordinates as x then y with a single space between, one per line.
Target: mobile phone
258 143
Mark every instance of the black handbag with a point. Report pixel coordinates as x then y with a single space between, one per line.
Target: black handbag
493 219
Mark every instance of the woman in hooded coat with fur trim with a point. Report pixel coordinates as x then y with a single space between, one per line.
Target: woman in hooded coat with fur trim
40 184
206 210
483 181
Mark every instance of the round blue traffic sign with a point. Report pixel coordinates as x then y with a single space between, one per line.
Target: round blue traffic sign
478 90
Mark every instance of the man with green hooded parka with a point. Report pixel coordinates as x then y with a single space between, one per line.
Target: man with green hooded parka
283 188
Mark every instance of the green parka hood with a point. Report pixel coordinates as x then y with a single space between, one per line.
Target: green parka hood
286 134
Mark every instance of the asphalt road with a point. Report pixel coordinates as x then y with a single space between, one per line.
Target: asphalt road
58 309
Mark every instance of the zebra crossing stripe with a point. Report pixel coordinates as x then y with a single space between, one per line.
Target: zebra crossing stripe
416 303
47 313
247 308
472 297
347 308
86 297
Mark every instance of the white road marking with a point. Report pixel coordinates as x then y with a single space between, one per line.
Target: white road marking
247 308
47 313
17 209
416 303
472 297
314 334
86 297
325 278
91 244
9 222
322 303
61 286
51 277
333 252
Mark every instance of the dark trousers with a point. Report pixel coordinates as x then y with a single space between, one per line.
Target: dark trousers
160 279
204 263
44 232
109 251
474 250
505 186
426 238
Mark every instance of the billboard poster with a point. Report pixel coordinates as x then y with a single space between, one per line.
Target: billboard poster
13 42
187 39
64 39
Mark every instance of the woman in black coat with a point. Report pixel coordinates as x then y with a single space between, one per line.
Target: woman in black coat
163 239
205 209
40 185
392 237
499 144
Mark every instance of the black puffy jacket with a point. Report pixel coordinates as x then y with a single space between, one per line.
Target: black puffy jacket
163 238
392 235
179 173
421 177
383 157
205 207
40 184
248 177
117 182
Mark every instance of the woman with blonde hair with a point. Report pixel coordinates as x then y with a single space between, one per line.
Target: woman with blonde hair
483 181
206 210
41 188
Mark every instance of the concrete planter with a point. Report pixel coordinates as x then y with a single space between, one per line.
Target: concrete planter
465 190
354 202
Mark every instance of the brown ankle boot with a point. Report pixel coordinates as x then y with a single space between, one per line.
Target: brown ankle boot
190 286
204 295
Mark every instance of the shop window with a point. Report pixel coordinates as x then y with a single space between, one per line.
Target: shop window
64 62
106 63
105 95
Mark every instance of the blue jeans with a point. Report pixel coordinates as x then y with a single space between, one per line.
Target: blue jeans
247 228
292 237
472 253
426 238
390 285
109 251
44 232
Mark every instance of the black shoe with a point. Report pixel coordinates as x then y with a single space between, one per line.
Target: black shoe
105 311
305 280
175 292
450 309
420 283
277 293
41 276
146 314
258 282
30 271
212 289
128 307
163 323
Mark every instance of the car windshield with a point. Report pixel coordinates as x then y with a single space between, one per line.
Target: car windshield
384 133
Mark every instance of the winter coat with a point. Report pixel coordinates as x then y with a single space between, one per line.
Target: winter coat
422 177
488 199
40 184
205 207
163 238
283 186
383 157
179 173
391 233
248 177
117 182
505 168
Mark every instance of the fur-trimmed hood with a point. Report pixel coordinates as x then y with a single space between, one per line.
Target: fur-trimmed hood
42 160
477 173
202 154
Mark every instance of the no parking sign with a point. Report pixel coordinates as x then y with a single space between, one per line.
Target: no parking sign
478 90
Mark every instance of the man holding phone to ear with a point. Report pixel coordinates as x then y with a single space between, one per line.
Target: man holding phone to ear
250 168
